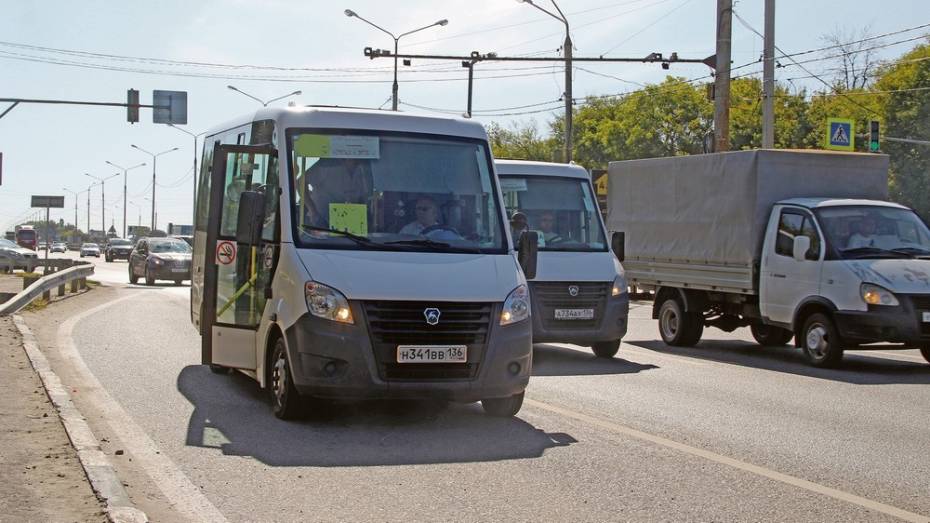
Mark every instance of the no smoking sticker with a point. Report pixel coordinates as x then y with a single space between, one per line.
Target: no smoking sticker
225 252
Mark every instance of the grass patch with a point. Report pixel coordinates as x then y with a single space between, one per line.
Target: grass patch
37 305
28 274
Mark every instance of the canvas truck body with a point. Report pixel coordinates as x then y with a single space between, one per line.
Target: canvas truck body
775 240
579 293
345 302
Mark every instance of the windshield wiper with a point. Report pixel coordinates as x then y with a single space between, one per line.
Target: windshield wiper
915 251
426 242
361 240
860 252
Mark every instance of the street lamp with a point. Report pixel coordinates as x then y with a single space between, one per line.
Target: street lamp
125 170
76 194
352 14
567 48
103 212
154 161
139 209
259 100
195 136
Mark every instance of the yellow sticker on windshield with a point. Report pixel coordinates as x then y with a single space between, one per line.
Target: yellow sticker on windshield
312 145
349 217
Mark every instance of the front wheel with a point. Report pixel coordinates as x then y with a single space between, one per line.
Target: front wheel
503 407
925 352
769 335
149 279
133 279
677 327
606 349
821 343
285 400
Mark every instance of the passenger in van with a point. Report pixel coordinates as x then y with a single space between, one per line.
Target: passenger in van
865 236
547 228
518 225
427 215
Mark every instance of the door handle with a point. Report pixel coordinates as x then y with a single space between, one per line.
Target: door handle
774 275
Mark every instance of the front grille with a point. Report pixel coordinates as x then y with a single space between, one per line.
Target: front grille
549 296
393 323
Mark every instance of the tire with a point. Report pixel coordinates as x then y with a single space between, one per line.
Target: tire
149 279
503 407
219 369
285 400
606 349
133 279
677 327
821 342
925 352
769 335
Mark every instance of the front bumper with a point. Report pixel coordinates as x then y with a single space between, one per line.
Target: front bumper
119 255
334 360
170 272
610 324
881 324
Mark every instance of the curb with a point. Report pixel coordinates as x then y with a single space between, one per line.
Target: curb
100 472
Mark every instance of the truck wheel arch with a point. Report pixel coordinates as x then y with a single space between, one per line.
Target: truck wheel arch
694 301
808 306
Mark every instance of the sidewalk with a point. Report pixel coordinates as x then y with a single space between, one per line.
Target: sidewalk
41 478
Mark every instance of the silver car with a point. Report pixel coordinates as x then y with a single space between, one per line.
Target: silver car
12 256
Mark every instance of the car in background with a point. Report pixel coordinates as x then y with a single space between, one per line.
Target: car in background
12 256
59 247
90 249
117 248
160 259
186 237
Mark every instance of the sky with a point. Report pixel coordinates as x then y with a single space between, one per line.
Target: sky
313 47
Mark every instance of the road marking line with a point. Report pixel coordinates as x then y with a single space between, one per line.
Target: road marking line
173 483
735 463
661 355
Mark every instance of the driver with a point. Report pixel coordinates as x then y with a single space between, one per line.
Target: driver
546 227
427 216
865 237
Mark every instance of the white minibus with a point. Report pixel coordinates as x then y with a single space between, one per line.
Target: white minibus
358 254
579 294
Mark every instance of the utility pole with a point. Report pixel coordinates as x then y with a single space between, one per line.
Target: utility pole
768 78
470 64
722 80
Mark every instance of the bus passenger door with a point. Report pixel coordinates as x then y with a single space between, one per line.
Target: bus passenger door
235 276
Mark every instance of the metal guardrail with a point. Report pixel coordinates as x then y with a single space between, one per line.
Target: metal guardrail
76 275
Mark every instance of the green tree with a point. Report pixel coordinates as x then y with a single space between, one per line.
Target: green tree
520 142
902 92
791 125
859 105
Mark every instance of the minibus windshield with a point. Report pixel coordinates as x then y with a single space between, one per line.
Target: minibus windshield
562 210
384 191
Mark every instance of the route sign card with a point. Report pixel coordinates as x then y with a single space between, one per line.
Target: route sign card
841 134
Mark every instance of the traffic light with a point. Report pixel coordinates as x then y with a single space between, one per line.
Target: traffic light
132 111
874 144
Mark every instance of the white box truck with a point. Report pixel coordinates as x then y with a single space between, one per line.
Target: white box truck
799 244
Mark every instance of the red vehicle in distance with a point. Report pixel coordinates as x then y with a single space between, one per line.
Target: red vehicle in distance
26 237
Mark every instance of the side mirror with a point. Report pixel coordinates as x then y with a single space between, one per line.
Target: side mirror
251 216
801 245
527 253
618 244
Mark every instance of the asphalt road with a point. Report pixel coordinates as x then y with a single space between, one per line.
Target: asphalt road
723 431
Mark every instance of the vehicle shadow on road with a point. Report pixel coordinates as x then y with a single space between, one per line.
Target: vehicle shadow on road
856 369
552 360
231 413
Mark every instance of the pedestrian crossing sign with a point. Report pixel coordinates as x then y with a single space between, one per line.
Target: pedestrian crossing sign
840 134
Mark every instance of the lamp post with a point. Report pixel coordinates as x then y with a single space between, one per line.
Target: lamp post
76 194
146 198
352 14
154 161
567 49
138 209
125 170
103 212
89 187
259 100
194 136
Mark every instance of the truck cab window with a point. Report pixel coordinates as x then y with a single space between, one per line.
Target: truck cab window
792 224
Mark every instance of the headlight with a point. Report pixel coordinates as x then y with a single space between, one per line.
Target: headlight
326 302
875 295
619 286
516 306
157 261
